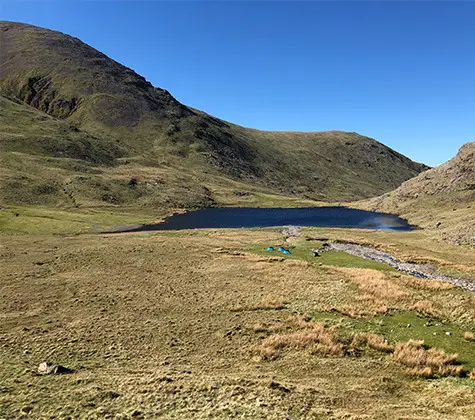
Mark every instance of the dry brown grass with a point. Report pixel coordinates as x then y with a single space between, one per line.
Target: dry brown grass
425 372
469 336
427 307
315 337
379 292
426 284
134 309
420 359
375 283
373 341
300 321
462 267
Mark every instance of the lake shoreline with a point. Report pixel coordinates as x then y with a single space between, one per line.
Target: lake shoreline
248 217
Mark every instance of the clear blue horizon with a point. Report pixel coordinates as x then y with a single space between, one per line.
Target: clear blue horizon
400 72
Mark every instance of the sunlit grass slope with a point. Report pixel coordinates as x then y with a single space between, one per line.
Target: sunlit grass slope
78 128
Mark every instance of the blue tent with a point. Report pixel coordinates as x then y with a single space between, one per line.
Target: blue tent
286 251
270 248
281 249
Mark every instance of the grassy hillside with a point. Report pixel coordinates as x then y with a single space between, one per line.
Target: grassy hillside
441 200
78 128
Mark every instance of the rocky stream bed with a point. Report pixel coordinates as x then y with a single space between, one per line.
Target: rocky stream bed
424 271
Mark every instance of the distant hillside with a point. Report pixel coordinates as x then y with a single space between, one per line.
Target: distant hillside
441 199
67 107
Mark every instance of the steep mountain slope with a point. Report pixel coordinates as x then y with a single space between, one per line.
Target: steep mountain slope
114 117
441 199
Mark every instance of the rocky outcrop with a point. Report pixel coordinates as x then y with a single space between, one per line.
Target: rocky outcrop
441 199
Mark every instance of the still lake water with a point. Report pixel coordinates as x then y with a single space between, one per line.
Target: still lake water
235 217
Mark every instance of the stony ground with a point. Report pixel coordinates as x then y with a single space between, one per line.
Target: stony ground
165 325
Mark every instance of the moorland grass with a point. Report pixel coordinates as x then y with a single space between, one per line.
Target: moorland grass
147 323
402 326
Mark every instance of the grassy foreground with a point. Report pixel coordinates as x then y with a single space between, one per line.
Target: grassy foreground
199 324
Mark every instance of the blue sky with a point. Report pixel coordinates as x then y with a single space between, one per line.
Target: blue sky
401 72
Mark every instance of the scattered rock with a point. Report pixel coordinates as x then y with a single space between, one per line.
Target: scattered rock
133 182
165 379
102 410
109 395
291 231
280 387
47 368
448 333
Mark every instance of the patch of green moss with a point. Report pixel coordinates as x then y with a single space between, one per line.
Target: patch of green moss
44 221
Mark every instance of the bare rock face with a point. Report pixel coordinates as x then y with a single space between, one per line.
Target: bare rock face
458 174
47 368
440 199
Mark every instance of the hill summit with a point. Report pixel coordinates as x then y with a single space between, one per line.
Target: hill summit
78 128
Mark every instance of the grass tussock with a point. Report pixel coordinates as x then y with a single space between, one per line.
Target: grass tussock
427 308
424 361
373 341
426 372
425 284
419 359
469 336
315 337
300 321
376 284
378 292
